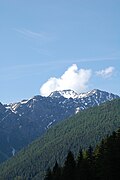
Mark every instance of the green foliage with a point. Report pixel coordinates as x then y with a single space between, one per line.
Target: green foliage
49 175
69 167
85 128
103 165
108 158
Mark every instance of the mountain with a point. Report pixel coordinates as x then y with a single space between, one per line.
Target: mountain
23 122
85 128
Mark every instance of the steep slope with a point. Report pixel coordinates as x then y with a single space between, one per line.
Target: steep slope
85 128
7 132
23 122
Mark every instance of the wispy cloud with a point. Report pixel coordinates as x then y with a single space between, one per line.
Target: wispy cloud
106 73
32 34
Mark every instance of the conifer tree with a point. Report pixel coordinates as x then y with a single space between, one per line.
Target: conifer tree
69 167
56 172
79 165
48 175
80 158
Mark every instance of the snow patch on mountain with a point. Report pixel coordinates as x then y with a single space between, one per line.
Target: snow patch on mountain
71 94
65 93
13 151
77 110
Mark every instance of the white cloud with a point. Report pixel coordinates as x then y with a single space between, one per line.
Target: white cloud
74 79
106 73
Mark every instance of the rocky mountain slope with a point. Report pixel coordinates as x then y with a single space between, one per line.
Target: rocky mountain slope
22 122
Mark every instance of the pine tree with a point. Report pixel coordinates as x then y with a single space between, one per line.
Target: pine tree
69 168
80 158
79 165
56 172
48 175
87 165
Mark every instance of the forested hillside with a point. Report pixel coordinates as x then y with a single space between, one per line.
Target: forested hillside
101 164
82 130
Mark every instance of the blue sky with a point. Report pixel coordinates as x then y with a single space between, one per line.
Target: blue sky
42 40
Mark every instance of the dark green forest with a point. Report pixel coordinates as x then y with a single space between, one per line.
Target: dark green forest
86 128
101 164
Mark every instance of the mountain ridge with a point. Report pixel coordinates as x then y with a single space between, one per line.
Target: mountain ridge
23 122
72 94
86 128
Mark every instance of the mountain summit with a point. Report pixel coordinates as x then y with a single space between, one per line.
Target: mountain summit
65 93
22 122
74 95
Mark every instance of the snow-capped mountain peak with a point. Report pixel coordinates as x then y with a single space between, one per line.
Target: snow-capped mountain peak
87 94
72 94
65 93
